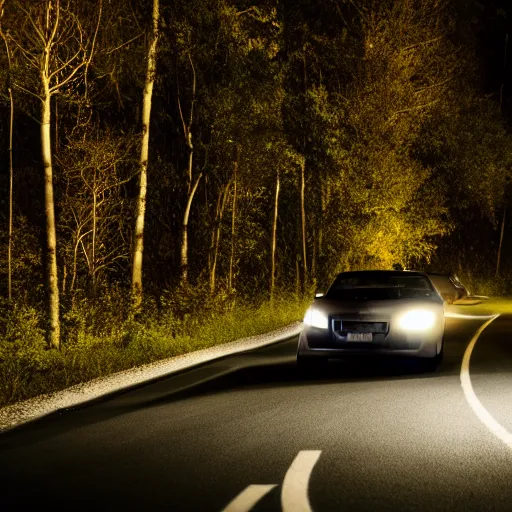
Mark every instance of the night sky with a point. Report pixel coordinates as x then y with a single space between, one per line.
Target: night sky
491 21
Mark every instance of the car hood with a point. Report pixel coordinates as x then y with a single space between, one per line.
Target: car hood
374 307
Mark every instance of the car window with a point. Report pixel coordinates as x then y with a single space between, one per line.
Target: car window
369 281
379 287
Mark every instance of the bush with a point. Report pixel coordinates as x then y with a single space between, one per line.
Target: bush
99 337
23 350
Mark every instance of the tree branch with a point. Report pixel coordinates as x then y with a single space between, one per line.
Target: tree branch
411 109
27 91
422 43
124 44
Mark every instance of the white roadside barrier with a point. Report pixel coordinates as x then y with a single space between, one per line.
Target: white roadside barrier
34 408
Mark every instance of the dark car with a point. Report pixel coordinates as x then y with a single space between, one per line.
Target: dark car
448 286
374 312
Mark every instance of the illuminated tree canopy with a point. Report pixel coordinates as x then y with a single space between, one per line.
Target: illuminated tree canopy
287 141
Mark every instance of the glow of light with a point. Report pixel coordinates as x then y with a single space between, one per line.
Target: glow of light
316 318
417 320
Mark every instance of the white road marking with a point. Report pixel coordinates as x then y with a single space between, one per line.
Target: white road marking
248 498
294 494
482 413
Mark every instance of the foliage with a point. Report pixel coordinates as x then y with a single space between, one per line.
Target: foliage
405 161
101 338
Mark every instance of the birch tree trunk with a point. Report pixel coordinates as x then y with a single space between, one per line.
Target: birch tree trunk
11 180
274 238
51 236
54 29
192 187
184 239
93 242
304 282
143 161
221 205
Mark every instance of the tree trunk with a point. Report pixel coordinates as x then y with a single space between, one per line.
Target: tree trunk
11 170
319 235
64 277
501 241
314 253
221 204
233 224
297 275
191 188
303 225
51 236
214 234
324 197
143 162
92 264
184 239
11 179
75 264
274 239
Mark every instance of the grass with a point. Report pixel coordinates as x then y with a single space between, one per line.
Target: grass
98 342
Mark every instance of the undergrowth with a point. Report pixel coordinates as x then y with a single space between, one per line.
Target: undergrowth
99 337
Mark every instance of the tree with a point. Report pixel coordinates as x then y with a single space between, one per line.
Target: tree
94 167
143 162
192 181
8 52
55 46
407 68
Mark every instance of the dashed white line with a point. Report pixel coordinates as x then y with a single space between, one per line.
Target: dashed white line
248 498
482 413
294 494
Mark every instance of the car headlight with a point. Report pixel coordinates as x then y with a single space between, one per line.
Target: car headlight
417 320
316 318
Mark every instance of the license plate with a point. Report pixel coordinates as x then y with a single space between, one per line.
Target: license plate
359 336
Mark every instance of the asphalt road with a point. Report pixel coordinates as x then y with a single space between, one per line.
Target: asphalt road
364 435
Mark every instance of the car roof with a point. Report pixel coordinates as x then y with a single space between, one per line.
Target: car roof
387 272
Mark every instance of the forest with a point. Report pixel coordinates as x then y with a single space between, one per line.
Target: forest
176 167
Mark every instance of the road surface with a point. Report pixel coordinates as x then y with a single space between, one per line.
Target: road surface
252 432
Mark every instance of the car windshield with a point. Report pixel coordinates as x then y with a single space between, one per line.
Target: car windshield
373 286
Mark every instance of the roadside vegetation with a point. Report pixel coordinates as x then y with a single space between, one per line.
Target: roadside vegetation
99 341
181 173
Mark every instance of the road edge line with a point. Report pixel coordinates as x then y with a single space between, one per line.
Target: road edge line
481 412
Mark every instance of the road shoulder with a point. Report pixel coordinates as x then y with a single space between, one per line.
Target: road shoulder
35 408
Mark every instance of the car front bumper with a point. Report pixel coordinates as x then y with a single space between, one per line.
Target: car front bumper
322 343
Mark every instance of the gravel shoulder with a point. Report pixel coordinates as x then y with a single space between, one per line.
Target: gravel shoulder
23 412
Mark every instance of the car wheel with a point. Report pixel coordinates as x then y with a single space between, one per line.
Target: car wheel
313 363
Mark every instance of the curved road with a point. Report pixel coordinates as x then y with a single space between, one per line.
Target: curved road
363 435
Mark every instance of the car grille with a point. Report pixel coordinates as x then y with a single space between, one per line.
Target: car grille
339 328
342 327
